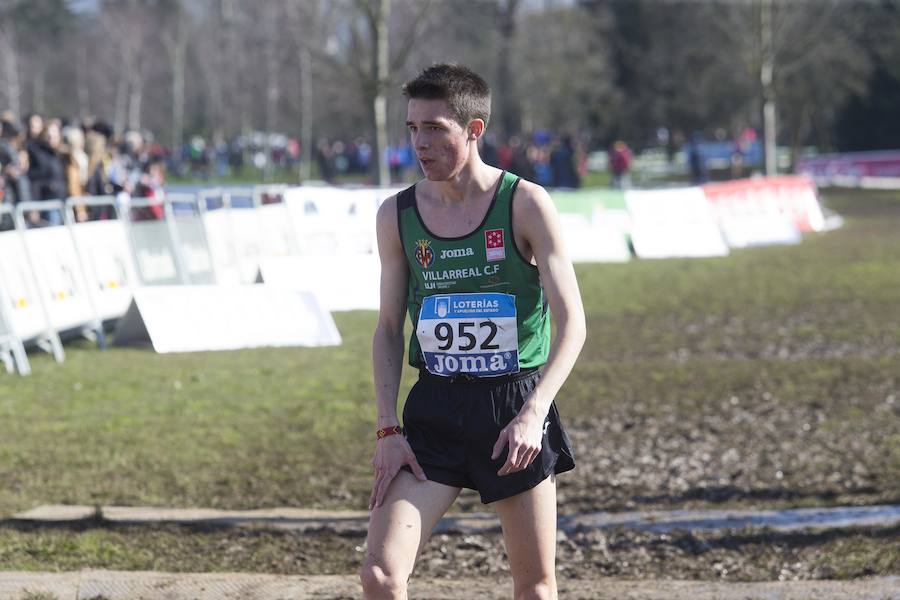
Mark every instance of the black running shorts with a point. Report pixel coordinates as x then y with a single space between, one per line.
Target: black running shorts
452 427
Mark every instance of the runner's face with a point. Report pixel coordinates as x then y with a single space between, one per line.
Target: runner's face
441 144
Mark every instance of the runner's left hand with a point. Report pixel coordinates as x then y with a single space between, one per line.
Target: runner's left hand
524 436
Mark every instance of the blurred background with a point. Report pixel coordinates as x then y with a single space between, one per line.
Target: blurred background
293 90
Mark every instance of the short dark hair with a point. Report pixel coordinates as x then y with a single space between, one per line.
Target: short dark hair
466 93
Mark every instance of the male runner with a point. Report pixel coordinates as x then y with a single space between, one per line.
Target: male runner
476 257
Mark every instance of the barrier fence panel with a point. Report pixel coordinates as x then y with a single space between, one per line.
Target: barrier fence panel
54 260
155 251
278 237
106 255
245 230
12 350
333 221
214 211
22 317
182 211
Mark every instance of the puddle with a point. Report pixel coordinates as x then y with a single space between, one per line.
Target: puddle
780 520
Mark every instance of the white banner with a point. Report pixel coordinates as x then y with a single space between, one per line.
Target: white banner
333 220
750 213
108 265
341 282
204 317
673 222
597 240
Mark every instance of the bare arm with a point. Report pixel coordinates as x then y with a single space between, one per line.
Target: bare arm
388 342
539 222
392 452
536 221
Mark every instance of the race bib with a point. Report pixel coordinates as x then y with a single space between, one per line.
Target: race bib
471 334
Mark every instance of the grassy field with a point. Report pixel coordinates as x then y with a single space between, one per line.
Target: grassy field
767 378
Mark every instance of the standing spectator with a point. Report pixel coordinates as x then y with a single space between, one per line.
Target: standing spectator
75 166
562 161
696 161
45 166
98 183
620 159
14 171
325 162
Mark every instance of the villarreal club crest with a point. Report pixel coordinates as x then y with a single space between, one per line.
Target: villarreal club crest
424 253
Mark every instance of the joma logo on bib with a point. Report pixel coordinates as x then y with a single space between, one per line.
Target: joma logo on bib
448 363
457 253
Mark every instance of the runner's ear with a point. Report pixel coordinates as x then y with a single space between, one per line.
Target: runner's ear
476 128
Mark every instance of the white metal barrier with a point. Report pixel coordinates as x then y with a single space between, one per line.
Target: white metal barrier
54 260
107 258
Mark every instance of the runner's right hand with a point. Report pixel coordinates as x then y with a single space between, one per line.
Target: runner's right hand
391 453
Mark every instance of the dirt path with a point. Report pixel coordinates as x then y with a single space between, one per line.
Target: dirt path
117 585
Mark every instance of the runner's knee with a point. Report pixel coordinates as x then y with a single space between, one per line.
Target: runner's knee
378 584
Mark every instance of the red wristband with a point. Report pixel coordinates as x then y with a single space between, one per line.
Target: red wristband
386 431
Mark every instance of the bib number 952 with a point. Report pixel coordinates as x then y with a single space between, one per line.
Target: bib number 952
443 332
475 334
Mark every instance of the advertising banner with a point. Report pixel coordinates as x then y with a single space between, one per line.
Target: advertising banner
201 318
596 224
750 213
676 222
854 169
340 282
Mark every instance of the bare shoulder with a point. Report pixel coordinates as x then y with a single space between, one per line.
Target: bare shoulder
386 220
533 206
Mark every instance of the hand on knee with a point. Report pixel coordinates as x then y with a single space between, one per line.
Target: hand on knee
380 585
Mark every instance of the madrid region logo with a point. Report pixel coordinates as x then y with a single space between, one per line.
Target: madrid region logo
424 253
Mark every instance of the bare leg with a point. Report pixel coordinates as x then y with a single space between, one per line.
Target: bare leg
398 530
529 532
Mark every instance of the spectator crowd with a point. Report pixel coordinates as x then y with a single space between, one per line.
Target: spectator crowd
54 159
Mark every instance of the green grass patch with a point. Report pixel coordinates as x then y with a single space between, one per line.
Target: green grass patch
813 326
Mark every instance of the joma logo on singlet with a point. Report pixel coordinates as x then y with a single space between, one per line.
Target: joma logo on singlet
457 253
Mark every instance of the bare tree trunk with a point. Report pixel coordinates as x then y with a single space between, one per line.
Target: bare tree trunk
38 100
306 114
12 84
135 97
176 49
178 69
381 75
121 104
301 31
766 80
273 89
508 102
81 81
